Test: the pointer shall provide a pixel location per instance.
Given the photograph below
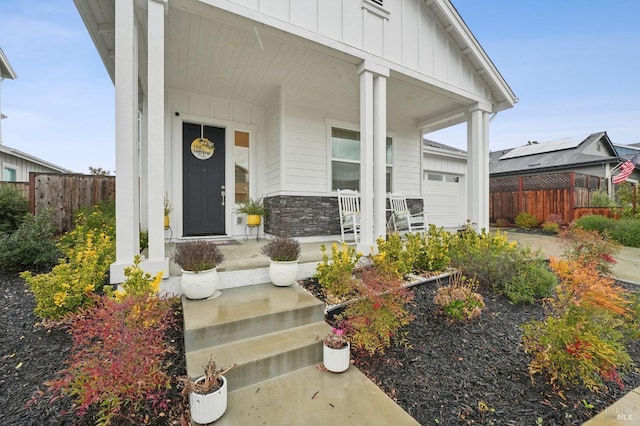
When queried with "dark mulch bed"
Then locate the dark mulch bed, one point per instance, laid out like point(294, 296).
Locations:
point(31, 354)
point(476, 373)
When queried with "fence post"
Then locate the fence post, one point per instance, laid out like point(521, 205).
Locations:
point(32, 193)
point(572, 195)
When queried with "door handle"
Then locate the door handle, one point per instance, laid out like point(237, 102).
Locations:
point(223, 194)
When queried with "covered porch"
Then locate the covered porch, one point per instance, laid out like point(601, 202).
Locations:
point(280, 79)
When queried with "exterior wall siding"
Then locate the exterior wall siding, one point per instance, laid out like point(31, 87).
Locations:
point(410, 35)
point(273, 131)
point(23, 167)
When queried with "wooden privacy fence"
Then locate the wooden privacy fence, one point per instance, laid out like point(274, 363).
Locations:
point(64, 194)
point(540, 195)
point(22, 186)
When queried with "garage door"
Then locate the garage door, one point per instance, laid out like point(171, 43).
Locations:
point(443, 199)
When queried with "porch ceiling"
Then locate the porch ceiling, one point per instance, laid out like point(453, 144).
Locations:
point(215, 53)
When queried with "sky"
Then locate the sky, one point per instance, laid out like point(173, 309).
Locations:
point(573, 64)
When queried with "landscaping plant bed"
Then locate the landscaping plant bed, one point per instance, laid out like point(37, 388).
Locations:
point(453, 374)
point(477, 372)
point(31, 354)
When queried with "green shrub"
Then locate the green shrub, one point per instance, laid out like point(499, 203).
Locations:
point(100, 218)
point(551, 227)
point(335, 275)
point(594, 222)
point(71, 283)
point(32, 246)
point(502, 266)
point(626, 232)
point(14, 207)
point(533, 281)
point(458, 300)
point(429, 252)
point(526, 220)
point(89, 251)
point(601, 199)
point(392, 256)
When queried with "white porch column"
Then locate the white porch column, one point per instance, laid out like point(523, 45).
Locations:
point(373, 133)
point(380, 156)
point(478, 168)
point(126, 102)
point(366, 162)
point(155, 138)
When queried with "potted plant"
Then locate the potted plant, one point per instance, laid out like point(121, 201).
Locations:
point(284, 253)
point(336, 351)
point(199, 260)
point(168, 208)
point(207, 394)
point(254, 209)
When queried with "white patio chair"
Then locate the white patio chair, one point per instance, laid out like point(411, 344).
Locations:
point(402, 219)
point(349, 209)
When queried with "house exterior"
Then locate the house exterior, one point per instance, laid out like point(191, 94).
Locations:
point(16, 165)
point(444, 184)
point(305, 96)
point(553, 177)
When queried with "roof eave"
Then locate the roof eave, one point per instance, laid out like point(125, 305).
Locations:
point(6, 70)
point(507, 98)
point(33, 159)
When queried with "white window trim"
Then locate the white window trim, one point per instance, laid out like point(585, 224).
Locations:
point(331, 123)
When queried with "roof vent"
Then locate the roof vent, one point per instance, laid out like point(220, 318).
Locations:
point(378, 2)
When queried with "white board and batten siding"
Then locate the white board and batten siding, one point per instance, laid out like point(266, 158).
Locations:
point(406, 33)
point(308, 147)
point(22, 167)
point(444, 189)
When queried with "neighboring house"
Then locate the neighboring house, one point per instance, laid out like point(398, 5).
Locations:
point(579, 165)
point(444, 184)
point(309, 96)
point(16, 165)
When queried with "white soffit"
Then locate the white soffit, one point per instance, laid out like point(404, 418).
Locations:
point(540, 148)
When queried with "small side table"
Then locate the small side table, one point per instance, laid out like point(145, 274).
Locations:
point(247, 231)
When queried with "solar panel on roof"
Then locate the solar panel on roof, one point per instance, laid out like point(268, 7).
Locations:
point(539, 148)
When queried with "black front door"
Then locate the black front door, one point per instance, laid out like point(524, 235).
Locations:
point(203, 180)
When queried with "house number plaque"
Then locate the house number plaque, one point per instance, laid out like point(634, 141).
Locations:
point(202, 148)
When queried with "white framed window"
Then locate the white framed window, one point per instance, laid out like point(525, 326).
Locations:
point(9, 173)
point(345, 159)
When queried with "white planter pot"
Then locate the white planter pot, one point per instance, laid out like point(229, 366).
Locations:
point(336, 360)
point(199, 285)
point(283, 274)
point(210, 407)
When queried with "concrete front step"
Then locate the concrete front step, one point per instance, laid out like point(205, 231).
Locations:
point(245, 312)
point(311, 397)
point(263, 357)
